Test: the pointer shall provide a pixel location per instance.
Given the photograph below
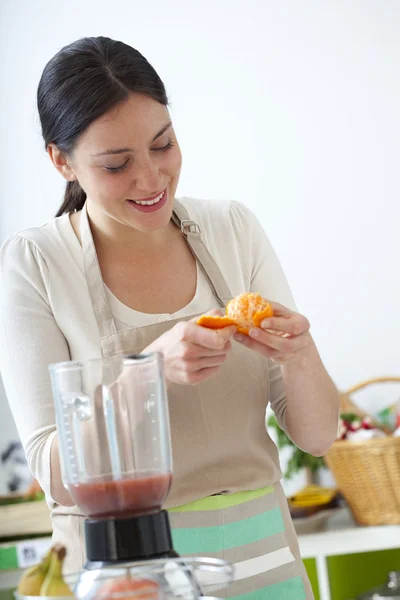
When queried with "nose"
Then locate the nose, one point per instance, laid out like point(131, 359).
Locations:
point(147, 176)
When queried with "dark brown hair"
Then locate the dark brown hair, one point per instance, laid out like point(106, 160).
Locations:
point(79, 84)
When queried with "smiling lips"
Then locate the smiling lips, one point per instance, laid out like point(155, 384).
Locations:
point(150, 205)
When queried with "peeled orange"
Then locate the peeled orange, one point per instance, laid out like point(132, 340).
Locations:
point(244, 311)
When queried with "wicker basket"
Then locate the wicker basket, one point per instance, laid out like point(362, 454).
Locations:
point(368, 473)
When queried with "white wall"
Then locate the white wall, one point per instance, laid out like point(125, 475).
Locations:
point(291, 107)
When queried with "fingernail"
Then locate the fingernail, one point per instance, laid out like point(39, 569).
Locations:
point(255, 333)
point(266, 323)
point(238, 337)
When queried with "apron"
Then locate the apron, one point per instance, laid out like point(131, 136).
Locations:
point(217, 506)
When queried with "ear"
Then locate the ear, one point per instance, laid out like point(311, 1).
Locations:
point(60, 161)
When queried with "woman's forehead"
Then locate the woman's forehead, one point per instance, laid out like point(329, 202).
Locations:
point(133, 122)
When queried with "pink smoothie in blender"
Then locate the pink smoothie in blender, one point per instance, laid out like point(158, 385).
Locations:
point(123, 497)
point(115, 450)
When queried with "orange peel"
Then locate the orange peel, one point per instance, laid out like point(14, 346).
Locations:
point(214, 322)
point(244, 311)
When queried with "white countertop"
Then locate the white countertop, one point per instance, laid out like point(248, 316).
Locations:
point(342, 535)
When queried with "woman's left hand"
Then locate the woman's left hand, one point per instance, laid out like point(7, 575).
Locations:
point(285, 337)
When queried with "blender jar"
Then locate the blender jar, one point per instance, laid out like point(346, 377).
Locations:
point(114, 434)
point(188, 578)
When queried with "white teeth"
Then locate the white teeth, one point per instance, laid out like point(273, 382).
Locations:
point(149, 202)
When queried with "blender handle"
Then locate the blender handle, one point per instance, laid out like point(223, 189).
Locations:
point(74, 409)
point(111, 432)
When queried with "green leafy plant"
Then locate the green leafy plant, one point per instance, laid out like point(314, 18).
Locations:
point(299, 459)
point(37, 497)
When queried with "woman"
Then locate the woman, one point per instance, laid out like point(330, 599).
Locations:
point(125, 266)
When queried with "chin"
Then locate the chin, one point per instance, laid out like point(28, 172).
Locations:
point(150, 221)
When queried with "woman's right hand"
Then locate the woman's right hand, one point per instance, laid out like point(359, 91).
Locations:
point(192, 353)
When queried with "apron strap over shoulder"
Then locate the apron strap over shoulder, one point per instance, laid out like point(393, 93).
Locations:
point(211, 271)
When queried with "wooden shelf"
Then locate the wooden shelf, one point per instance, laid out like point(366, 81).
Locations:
point(29, 518)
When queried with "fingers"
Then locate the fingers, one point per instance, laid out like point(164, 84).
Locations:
point(294, 324)
point(201, 336)
point(256, 346)
point(206, 362)
point(267, 351)
point(203, 375)
point(215, 312)
point(204, 352)
point(192, 372)
point(284, 345)
point(280, 350)
point(192, 352)
point(280, 310)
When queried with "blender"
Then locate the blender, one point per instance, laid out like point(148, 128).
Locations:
point(116, 462)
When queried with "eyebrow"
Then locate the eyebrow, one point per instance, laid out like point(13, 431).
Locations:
point(123, 150)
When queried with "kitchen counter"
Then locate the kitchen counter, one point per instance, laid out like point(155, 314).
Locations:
point(341, 535)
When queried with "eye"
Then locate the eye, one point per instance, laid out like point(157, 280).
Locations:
point(167, 146)
point(117, 169)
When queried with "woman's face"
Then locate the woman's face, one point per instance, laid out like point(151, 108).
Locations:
point(128, 163)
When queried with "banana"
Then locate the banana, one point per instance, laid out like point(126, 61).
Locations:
point(313, 495)
point(54, 584)
point(33, 578)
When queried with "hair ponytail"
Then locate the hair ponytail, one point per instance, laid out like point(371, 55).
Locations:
point(74, 198)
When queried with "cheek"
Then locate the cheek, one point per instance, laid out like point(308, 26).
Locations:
point(104, 186)
point(173, 162)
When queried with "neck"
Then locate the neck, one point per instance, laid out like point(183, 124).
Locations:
point(108, 232)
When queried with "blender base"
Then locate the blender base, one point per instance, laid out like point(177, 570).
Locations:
point(128, 539)
point(120, 542)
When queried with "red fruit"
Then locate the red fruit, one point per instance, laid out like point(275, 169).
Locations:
point(341, 431)
point(129, 588)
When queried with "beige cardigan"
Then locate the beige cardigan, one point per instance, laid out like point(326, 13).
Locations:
point(40, 324)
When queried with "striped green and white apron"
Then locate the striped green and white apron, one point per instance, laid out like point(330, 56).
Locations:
point(220, 451)
point(251, 530)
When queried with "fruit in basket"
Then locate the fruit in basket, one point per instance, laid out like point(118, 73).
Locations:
point(244, 311)
point(33, 578)
point(54, 584)
point(312, 499)
point(129, 588)
point(351, 423)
